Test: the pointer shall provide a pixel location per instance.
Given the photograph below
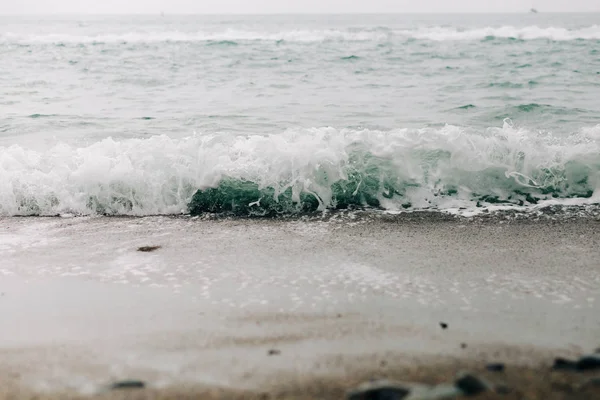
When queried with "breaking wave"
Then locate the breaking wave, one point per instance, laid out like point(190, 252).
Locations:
point(230, 36)
point(505, 32)
point(435, 33)
point(302, 170)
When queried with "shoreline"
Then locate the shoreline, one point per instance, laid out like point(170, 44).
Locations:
point(546, 210)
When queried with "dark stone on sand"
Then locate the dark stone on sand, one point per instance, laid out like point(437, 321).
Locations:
point(129, 384)
point(585, 363)
point(495, 367)
point(148, 248)
point(274, 352)
point(588, 363)
point(563, 364)
point(463, 345)
point(471, 384)
point(379, 390)
point(444, 325)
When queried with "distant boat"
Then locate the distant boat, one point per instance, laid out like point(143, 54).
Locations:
point(533, 10)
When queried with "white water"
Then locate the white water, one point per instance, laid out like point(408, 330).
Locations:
point(524, 33)
point(160, 174)
point(435, 33)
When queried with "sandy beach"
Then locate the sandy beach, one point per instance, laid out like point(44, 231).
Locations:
point(302, 308)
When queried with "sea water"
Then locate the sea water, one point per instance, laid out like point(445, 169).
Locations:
point(267, 115)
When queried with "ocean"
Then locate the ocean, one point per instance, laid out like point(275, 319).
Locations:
point(428, 188)
point(278, 115)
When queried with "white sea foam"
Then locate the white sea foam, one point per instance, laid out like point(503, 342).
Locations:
point(176, 36)
point(160, 174)
point(523, 33)
point(434, 33)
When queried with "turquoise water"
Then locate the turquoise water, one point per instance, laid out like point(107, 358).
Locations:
point(166, 115)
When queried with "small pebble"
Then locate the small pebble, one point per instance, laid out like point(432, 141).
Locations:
point(564, 364)
point(588, 363)
point(148, 248)
point(130, 384)
point(379, 390)
point(471, 384)
point(274, 352)
point(444, 325)
point(463, 345)
point(495, 367)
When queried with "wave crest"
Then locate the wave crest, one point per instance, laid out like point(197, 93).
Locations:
point(296, 170)
point(433, 33)
point(505, 32)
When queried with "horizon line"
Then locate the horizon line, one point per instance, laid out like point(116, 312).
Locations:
point(163, 13)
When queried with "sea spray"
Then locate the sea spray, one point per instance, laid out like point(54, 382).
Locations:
point(302, 170)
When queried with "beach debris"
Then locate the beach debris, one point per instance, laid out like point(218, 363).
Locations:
point(274, 352)
point(495, 367)
point(585, 363)
point(148, 248)
point(471, 384)
point(128, 384)
point(463, 345)
point(444, 325)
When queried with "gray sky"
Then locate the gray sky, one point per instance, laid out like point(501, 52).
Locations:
point(289, 6)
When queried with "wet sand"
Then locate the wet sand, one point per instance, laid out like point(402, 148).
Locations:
point(341, 299)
